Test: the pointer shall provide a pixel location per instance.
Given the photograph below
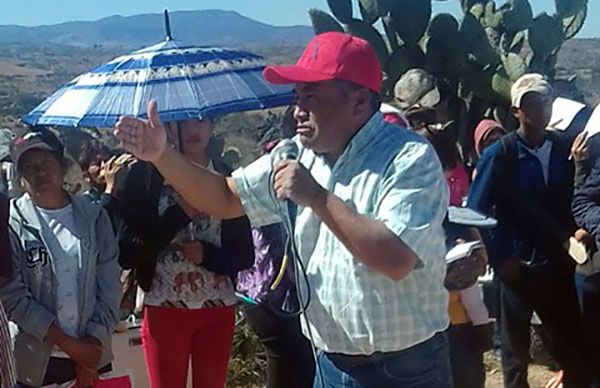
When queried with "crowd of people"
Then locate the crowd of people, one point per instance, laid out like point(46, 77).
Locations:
point(348, 223)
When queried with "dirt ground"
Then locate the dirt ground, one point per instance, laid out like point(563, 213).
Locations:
point(538, 375)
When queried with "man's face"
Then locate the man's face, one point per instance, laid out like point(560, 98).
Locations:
point(535, 111)
point(322, 109)
point(41, 173)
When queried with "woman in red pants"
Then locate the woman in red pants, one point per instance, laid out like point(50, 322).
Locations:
point(189, 300)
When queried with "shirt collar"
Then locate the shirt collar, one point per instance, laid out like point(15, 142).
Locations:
point(525, 149)
point(365, 135)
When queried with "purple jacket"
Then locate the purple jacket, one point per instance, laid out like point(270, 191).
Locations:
point(269, 247)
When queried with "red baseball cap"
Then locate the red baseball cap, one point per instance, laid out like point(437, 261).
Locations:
point(328, 56)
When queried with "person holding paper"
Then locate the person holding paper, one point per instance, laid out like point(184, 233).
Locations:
point(586, 210)
point(470, 329)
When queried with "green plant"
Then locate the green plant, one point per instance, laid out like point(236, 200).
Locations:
point(480, 56)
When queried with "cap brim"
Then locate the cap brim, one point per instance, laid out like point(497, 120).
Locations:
point(39, 146)
point(292, 74)
point(428, 100)
point(431, 98)
point(542, 90)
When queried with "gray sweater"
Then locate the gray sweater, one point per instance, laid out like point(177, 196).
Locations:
point(29, 296)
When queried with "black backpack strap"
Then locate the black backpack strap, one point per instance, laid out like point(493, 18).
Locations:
point(509, 157)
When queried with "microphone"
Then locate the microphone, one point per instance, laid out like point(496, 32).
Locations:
point(287, 149)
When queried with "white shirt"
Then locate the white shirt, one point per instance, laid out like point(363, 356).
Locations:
point(391, 175)
point(63, 243)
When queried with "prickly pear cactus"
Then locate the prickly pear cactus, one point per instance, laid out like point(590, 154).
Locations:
point(480, 55)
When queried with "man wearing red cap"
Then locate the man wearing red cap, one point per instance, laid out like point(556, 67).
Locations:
point(371, 201)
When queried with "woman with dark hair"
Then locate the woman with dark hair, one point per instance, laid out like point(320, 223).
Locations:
point(184, 260)
point(64, 292)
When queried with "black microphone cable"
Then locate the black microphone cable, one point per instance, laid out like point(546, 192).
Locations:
point(288, 213)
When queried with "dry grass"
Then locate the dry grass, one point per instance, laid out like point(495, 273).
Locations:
point(11, 69)
point(538, 374)
point(248, 362)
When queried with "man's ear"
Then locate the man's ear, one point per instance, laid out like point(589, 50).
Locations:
point(362, 101)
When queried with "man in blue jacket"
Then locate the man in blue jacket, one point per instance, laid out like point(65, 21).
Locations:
point(525, 181)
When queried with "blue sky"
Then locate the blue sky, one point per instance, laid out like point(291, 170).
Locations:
point(277, 12)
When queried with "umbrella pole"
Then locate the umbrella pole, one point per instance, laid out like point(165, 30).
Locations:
point(167, 26)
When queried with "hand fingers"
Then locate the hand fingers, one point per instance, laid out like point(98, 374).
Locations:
point(580, 139)
point(282, 165)
point(111, 161)
point(283, 169)
point(152, 111)
point(109, 165)
point(284, 179)
point(128, 142)
point(128, 124)
point(584, 141)
point(128, 130)
point(282, 190)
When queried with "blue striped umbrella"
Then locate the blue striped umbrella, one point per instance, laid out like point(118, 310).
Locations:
point(186, 81)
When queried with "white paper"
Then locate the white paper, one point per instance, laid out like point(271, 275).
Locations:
point(593, 125)
point(563, 113)
point(462, 250)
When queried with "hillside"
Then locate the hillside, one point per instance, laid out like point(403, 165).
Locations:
point(198, 27)
point(580, 57)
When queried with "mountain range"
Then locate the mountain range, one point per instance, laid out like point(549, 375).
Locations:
point(204, 27)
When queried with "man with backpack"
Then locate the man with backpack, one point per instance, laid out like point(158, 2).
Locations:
point(526, 181)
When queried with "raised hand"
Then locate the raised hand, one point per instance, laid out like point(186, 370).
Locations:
point(115, 171)
point(579, 149)
point(146, 139)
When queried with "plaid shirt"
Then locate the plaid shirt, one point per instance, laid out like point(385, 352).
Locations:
point(389, 174)
point(7, 363)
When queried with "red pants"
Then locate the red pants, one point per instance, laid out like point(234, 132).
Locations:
point(172, 336)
